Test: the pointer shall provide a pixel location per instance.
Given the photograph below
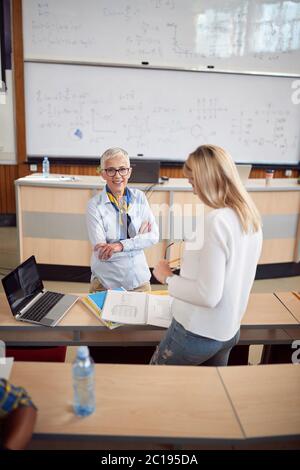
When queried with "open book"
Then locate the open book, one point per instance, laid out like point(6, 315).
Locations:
point(137, 308)
point(94, 302)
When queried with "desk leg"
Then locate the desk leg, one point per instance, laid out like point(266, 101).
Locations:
point(266, 353)
point(277, 354)
point(76, 336)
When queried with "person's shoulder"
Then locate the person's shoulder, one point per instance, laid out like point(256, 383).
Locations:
point(220, 222)
point(222, 216)
point(227, 224)
point(137, 194)
point(96, 200)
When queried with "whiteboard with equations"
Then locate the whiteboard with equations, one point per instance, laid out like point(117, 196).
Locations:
point(232, 35)
point(81, 110)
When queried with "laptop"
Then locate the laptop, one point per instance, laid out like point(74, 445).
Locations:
point(28, 299)
point(244, 172)
point(144, 171)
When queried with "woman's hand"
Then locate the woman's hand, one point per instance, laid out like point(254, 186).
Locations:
point(106, 250)
point(162, 270)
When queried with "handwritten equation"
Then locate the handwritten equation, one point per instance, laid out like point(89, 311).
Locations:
point(255, 35)
point(159, 114)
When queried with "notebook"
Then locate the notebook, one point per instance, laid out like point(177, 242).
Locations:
point(28, 299)
point(137, 308)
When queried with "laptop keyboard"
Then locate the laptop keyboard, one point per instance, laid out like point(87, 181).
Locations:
point(40, 309)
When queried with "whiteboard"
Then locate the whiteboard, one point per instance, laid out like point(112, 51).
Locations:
point(7, 120)
point(234, 35)
point(80, 111)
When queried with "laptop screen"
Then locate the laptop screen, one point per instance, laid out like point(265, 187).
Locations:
point(244, 172)
point(22, 284)
point(144, 171)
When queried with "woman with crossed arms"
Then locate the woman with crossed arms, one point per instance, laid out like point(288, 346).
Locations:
point(212, 290)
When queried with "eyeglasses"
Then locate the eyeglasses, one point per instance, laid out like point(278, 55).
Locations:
point(113, 171)
point(166, 250)
point(178, 247)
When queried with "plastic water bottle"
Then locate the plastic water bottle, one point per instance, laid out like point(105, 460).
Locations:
point(46, 167)
point(83, 383)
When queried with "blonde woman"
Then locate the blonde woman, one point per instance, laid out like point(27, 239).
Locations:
point(212, 290)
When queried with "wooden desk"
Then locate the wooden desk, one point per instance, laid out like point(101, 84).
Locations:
point(160, 404)
point(266, 310)
point(266, 398)
point(79, 326)
point(266, 321)
point(291, 302)
point(56, 233)
point(171, 405)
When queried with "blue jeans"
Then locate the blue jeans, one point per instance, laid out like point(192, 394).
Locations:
point(181, 347)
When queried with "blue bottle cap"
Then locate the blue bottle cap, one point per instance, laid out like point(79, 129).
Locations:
point(83, 352)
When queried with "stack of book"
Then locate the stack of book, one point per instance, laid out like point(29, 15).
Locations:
point(95, 302)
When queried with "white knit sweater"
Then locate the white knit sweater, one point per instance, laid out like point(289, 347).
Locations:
point(211, 293)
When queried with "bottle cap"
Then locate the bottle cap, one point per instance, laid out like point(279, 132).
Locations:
point(83, 352)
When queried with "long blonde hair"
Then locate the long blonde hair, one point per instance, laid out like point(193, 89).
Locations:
point(217, 184)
